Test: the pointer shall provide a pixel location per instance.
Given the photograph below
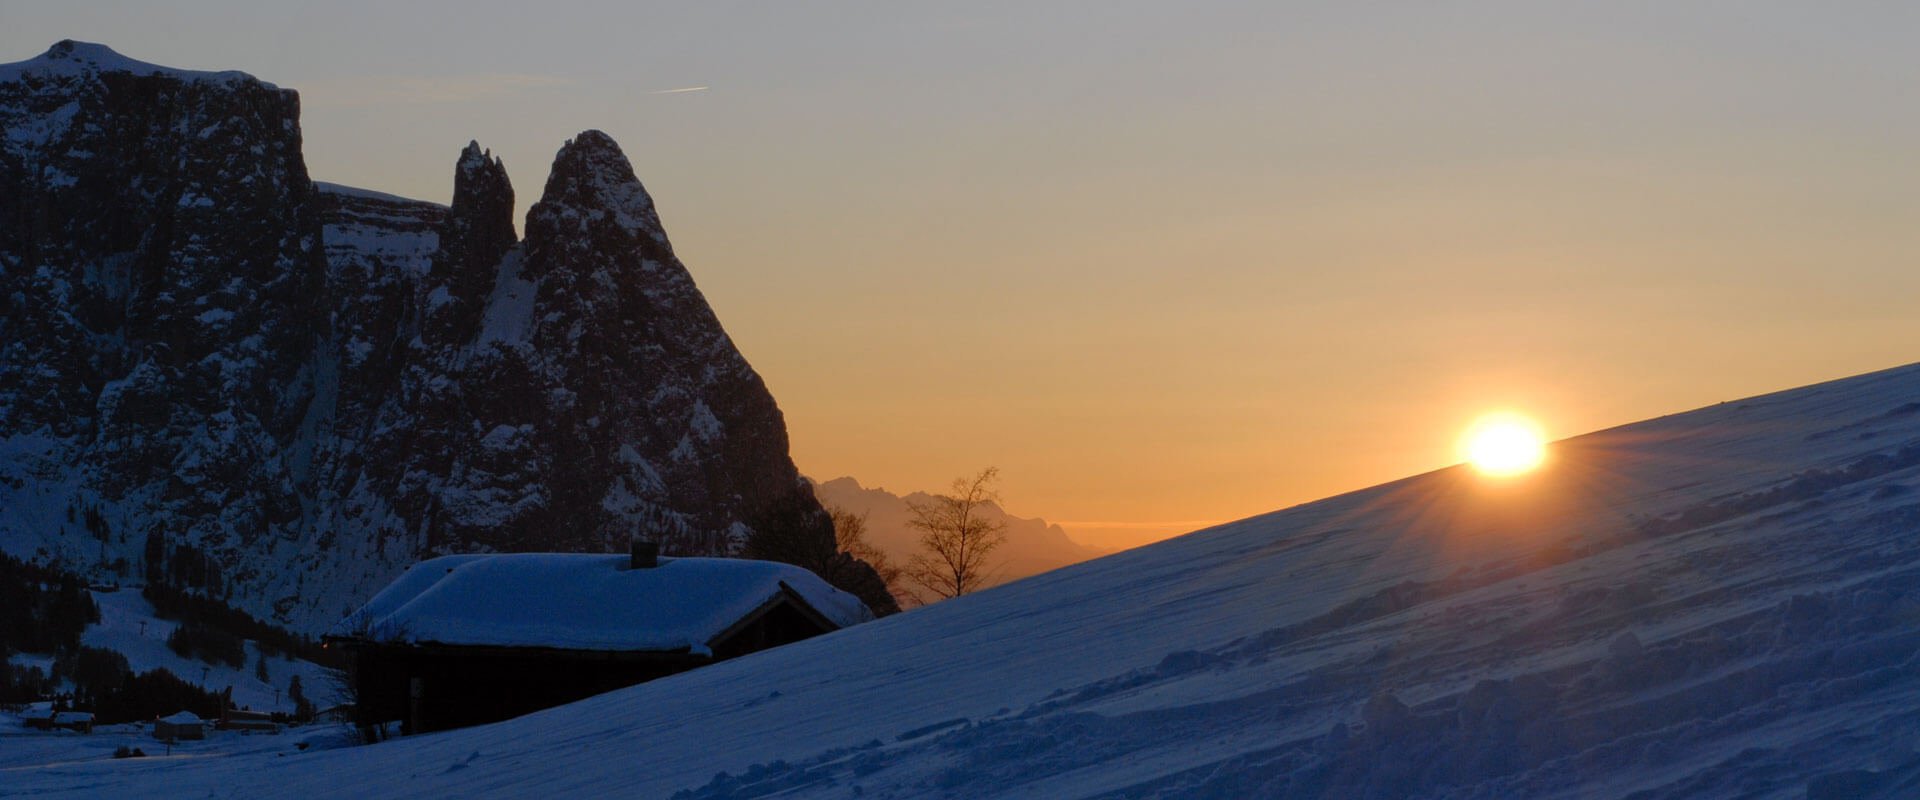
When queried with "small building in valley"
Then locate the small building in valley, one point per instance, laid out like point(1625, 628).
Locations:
point(468, 639)
point(81, 721)
point(236, 719)
point(179, 727)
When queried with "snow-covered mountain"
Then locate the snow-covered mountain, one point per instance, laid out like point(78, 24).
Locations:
point(1721, 603)
point(313, 386)
point(1033, 545)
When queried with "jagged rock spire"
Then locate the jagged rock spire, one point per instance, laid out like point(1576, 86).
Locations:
point(478, 232)
point(483, 203)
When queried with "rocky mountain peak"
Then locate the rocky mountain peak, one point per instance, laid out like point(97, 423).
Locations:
point(88, 53)
point(477, 233)
point(479, 166)
point(171, 216)
point(483, 203)
point(592, 193)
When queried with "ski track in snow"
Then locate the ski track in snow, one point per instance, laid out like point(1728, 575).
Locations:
point(1723, 603)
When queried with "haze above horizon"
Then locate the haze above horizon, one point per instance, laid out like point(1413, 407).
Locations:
point(1171, 264)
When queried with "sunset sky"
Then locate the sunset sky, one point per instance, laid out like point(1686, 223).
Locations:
point(1169, 264)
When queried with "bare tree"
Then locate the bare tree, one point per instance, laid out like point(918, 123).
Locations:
point(850, 537)
point(956, 537)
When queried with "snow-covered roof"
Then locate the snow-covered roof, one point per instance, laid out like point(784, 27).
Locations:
point(181, 718)
point(585, 601)
point(68, 58)
point(72, 716)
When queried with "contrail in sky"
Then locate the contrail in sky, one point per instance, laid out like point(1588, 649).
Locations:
point(682, 90)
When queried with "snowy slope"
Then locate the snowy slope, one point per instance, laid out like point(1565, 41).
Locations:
point(1714, 604)
point(128, 626)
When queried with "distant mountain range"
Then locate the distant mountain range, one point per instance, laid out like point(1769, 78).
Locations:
point(1033, 545)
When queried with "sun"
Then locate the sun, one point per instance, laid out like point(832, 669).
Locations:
point(1504, 444)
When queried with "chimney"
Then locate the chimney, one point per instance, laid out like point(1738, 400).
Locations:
point(645, 554)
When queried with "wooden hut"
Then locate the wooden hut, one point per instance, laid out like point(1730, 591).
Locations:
point(463, 640)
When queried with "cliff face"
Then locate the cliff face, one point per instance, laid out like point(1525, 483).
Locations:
point(159, 262)
point(302, 389)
